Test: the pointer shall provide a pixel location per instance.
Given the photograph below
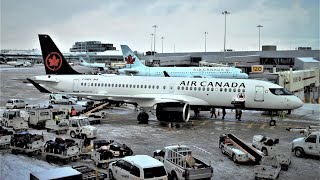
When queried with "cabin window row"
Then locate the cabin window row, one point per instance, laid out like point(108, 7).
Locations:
point(210, 89)
point(122, 85)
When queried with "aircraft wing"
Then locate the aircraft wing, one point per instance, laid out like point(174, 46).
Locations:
point(144, 100)
point(129, 72)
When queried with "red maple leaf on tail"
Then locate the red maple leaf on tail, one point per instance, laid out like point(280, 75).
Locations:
point(130, 59)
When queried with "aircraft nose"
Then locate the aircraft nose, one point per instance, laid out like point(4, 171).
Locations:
point(297, 103)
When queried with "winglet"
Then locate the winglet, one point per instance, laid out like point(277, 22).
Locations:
point(166, 74)
point(53, 59)
point(40, 88)
point(130, 58)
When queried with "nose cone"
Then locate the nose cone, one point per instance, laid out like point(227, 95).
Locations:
point(296, 103)
point(244, 76)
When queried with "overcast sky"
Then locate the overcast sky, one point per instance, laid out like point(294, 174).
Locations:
point(286, 23)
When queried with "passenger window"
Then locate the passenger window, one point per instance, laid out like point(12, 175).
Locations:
point(153, 87)
point(243, 90)
point(312, 139)
point(91, 84)
point(238, 90)
point(195, 88)
point(98, 84)
point(116, 85)
point(234, 90)
point(112, 85)
point(164, 87)
point(230, 89)
point(182, 88)
point(95, 84)
point(178, 87)
point(134, 86)
point(157, 87)
point(130, 86)
point(220, 89)
point(126, 85)
point(225, 89)
point(145, 86)
point(199, 88)
point(149, 86)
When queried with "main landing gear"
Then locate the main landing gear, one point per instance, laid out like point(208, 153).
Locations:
point(143, 117)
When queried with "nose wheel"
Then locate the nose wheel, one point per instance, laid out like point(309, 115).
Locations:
point(143, 117)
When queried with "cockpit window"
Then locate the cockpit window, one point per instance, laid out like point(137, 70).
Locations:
point(280, 91)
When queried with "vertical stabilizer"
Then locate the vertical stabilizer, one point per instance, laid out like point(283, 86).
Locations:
point(53, 59)
point(130, 58)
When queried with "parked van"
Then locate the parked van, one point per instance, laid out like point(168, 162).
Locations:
point(15, 103)
point(137, 167)
point(62, 98)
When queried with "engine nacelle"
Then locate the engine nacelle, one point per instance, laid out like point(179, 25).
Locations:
point(173, 112)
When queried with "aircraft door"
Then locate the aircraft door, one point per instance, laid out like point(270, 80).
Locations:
point(76, 85)
point(258, 95)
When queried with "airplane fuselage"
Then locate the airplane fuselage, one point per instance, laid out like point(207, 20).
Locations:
point(255, 94)
point(215, 72)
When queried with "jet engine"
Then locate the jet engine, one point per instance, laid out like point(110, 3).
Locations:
point(173, 112)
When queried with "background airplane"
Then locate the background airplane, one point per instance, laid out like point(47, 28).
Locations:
point(100, 66)
point(172, 98)
point(20, 63)
point(136, 68)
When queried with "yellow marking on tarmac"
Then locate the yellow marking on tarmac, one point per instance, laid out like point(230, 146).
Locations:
point(250, 125)
point(262, 126)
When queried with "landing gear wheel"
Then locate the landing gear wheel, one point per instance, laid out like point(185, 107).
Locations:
point(272, 122)
point(174, 176)
point(234, 158)
point(143, 117)
point(72, 134)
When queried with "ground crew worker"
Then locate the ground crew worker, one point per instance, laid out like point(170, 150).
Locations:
point(213, 112)
point(223, 112)
point(73, 112)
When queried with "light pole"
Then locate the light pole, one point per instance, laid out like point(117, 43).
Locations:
point(151, 42)
point(259, 26)
point(162, 42)
point(205, 41)
point(225, 32)
point(154, 37)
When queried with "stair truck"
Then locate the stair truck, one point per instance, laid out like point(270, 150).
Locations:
point(237, 149)
point(179, 162)
point(27, 143)
point(5, 138)
point(271, 147)
point(62, 150)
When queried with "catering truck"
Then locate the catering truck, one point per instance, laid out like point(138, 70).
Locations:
point(179, 162)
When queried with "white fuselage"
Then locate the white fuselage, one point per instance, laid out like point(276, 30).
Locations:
point(194, 91)
point(210, 72)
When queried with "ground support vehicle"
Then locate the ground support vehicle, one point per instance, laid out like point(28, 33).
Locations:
point(270, 147)
point(89, 173)
point(25, 142)
point(237, 149)
point(64, 150)
point(309, 145)
point(61, 173)
point(9, 117)
point(62, 98)
point(5, 138)
point(104, 152)
point(59, 127)
point(137, 167)
point(38, 117)
point(180, 163)
point(269, 168)
point(80, 127)
point(15, 103)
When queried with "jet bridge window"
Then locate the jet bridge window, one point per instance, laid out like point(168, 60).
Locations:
point(280, 91)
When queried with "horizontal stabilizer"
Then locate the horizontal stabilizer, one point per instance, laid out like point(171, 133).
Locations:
point(40, 88)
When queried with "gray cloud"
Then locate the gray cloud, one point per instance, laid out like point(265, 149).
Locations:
point(183, 23)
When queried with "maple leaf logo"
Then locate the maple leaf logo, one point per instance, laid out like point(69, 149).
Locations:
point(130, 59)
point(53, 61)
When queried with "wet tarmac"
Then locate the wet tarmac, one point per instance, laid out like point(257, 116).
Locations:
point(120, 125)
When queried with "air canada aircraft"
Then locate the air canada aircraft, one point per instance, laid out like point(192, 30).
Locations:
point(136, 68)
point(20, 63)
point(100, 66)
point(172, 97)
